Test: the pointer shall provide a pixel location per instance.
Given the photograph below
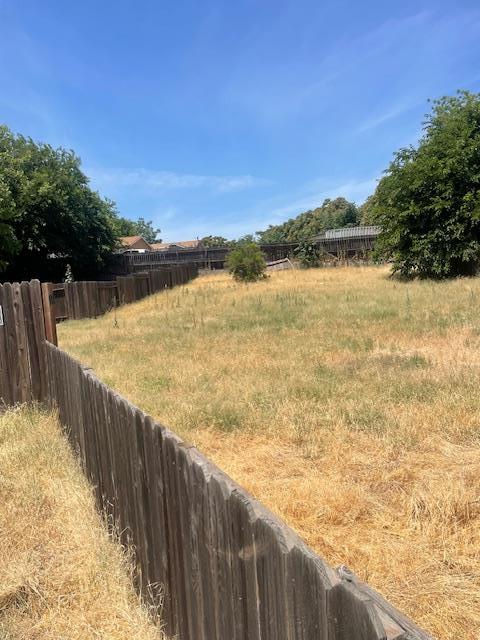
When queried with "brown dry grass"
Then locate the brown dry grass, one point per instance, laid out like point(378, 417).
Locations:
point(61, 576)
point(345, 401)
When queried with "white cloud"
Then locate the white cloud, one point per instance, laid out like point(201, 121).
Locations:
point(149, 181)
point(386, 116)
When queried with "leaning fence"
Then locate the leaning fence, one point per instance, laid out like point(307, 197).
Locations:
point(226, 566)
point(89, 299)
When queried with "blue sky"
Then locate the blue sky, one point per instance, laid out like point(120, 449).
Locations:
point(223, 117)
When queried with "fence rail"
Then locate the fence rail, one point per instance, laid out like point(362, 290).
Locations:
point(228, 568)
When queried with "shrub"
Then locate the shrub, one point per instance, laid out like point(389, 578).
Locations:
point(307, 254)
point(246, 262)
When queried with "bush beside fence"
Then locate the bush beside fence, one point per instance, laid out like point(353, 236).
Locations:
point(226, 566)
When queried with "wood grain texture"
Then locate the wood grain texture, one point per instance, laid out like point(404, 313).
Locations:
point(78, 300)
point(6, 388)
point(225, 566)
point(49, 313)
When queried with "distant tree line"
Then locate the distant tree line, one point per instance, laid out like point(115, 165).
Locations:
point(220, 241)
point(332, 214)
point(215, 241)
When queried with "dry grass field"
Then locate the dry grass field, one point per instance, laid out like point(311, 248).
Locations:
point(61, 576)
point(347, 402)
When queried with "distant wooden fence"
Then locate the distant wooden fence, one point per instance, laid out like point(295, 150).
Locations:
point(77, 300)
point(356, 242)
point(228, 568)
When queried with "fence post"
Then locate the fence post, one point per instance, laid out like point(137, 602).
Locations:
point(49, 314)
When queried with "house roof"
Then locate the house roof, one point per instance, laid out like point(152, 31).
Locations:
point(127, 241)
point(158, 246)
point(187, 243)
point(184, 244)
point(134, 243)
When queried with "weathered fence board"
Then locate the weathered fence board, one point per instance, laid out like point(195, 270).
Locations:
point(6, 391)
point(23, 371)
point(77, 300)
point(49, 314)
point(225, 565)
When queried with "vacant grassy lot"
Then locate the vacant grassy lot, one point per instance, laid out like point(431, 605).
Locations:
point(61, 577)
point(345, 401)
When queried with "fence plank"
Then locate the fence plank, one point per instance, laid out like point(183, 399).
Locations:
point(12, 343)
point(352, 614)
point(159, 557)
point(38, 343)
point(49, 314)
point(6, 390)
point(23, 354)
point(33, 379)
point(177, 579)
point(229, 568)
point(142, 516)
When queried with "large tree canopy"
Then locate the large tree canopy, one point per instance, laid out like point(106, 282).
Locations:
point(428, 203)
point(368, 211)
point(215, 241)
point(140, 227)
point(47, 209)
point(332, 214)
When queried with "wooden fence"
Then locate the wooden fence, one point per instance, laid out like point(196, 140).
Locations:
point(228, 568)
point(23, 366)
point(77, 300)
point(356, 242)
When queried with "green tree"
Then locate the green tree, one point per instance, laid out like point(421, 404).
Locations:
point(126, 227)
point(332, 214)
point(9, 244)
point(147, 230)
point(215, 241)
point(246, 262)
point(428, 203)
point(368, 211)
point(48, 210)
point(248, 238)
point(275, 234)
point(308, 254)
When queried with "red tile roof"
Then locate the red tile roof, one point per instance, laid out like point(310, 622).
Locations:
point(186, 244)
